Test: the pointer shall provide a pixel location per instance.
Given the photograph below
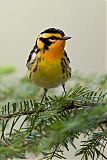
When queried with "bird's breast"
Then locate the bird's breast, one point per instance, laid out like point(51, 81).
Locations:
point(47, 73)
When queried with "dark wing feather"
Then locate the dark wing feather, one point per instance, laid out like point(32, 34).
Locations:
point(32, 56)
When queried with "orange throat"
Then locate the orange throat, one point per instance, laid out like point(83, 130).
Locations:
point(54, 53)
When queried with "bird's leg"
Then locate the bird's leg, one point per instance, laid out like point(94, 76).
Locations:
point(63, 85)
point(44, 95)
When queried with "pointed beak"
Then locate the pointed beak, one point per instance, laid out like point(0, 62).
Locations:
point(65, 38)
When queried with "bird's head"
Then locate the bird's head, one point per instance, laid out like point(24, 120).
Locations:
point(51, 39)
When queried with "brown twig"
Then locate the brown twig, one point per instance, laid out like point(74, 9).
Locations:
point(8, 116)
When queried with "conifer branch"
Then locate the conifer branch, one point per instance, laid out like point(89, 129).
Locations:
point(28, 126)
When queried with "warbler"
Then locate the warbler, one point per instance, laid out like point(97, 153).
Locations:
point(48, 63)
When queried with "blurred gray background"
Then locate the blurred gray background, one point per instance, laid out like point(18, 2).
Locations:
point(85, 20)
point(22, 20)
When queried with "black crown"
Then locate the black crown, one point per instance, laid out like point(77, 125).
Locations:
point(53, 30)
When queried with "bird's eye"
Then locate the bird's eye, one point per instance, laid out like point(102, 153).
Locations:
point(52, 37)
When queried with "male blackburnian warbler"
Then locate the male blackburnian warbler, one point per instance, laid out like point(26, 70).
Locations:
point(48, 64)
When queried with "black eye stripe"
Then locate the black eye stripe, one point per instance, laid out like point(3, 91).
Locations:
point(51, 37)
point(43, 39)
point(46, 41)
point(54, 38)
